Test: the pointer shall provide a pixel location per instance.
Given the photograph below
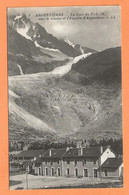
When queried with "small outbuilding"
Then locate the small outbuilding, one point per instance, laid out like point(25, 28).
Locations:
point(112, 168)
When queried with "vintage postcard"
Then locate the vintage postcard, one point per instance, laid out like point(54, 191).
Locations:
point(65, 97)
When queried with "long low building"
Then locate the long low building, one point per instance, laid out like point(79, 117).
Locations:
point(50, 164)
point(75, 162)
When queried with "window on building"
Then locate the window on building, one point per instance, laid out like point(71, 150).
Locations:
point(85, 172)
point(95, 172)
point(67, 171)
point(84, 161)
point(52, 171)
point(51, 162)
point(46, 171)
point(58, 171)
point(76, 172)
point(68, 161)
point(106, 173)
point(39, 171)
point(94, 161)
point(45, 162)
point(58, 162)
point(75, 162)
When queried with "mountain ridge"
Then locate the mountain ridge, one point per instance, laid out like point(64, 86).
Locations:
point(30, 58)
point(36, 32)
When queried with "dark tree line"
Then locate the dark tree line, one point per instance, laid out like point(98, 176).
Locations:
point(115, 144)
point(48, 145)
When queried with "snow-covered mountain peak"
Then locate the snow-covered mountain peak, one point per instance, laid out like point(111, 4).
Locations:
point(69, 42)
point(75, 46)
point(38, 34)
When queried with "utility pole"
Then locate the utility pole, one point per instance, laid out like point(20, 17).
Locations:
point(100, 169)
point(100, 162)
point(26, 179)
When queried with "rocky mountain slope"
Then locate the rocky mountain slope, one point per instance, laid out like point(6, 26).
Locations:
point(24, 57)
point(105, 65)
point(99, 76)
point(60, 90)
point(31, 49)
point(83, 103)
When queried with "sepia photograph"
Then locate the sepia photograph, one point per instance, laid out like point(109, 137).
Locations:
point(64, 97)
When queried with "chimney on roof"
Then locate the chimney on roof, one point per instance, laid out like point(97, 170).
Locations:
point(25, 148)
point(50, 152)
point(67, 148)
point(80, 151)
point(101, 149)
point(85, 145)
point(79, 144)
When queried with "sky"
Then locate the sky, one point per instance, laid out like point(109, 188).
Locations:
point(98, 34)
